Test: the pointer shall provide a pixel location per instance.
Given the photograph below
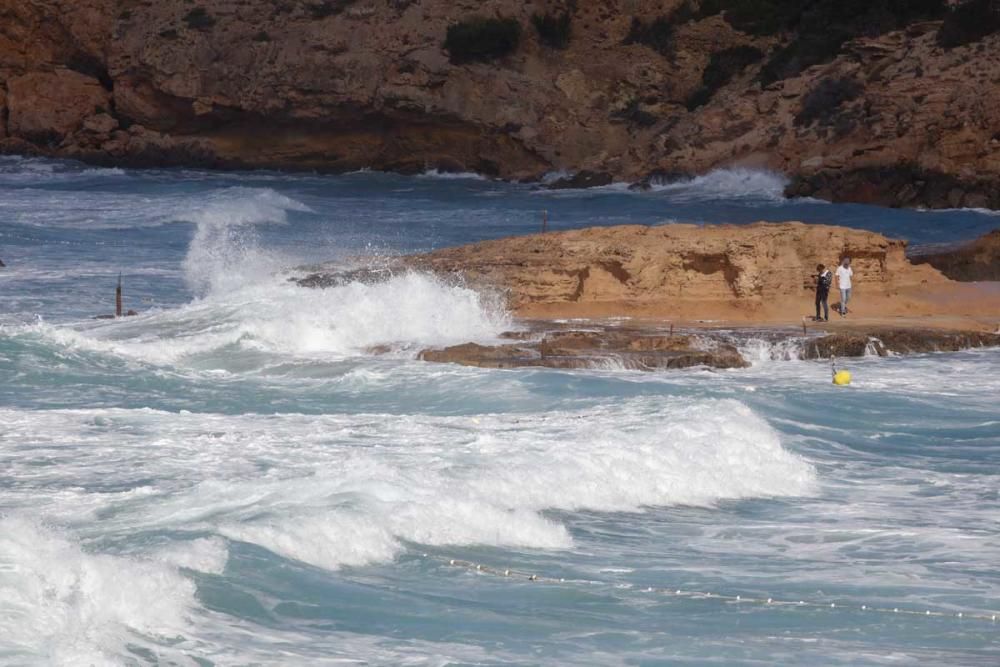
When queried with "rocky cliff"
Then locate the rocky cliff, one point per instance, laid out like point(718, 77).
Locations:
point(975, 261)
point(881, 101)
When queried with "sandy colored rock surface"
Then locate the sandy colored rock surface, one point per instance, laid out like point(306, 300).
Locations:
point(49, 106)
point(760, 273)
point(344, 84)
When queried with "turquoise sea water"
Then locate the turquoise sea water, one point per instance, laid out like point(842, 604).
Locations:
point(233, 478)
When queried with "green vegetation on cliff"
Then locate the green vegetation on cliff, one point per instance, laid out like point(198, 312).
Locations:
point(482, 39)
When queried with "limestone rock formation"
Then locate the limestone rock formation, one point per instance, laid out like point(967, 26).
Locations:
point(731, 272)
point(872, 103)
point(978, 260)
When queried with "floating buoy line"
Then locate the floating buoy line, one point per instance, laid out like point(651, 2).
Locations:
point(521, 575)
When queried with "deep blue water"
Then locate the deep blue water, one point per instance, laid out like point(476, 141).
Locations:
point(232, 478)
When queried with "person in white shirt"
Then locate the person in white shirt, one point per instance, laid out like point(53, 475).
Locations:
point(844, 275)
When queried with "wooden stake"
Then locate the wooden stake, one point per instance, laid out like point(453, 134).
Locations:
point(118, 297)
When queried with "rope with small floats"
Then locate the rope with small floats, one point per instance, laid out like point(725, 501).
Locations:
point(513, 574)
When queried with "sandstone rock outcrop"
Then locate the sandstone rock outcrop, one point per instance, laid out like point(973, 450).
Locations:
point(978, 260)
point(881, 113)
point(729, 272)
point(47, 107)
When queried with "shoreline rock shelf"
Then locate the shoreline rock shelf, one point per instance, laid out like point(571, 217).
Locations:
point(719, 284)
point(611, 347)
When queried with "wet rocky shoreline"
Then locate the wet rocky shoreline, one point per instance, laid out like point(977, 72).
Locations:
point(612, 346)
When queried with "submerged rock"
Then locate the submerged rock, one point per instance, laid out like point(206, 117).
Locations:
point(338, 277)
point(582, 180)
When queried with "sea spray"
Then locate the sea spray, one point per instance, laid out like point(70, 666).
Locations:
point(224, 253)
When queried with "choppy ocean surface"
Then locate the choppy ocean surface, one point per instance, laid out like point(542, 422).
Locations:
point(231, 477)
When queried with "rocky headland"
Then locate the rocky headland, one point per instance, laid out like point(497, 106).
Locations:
point(884, 102)
point(977, 260)
point(674, 296)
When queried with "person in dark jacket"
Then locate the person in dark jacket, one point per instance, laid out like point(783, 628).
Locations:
point(823, 281)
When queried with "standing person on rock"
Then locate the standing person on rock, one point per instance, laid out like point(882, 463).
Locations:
point(823, 281)
point(845, 275)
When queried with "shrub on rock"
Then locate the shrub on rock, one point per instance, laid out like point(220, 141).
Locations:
point(554, 31)
point(822, 102)
point(657, 35)
point(969, 22)
point(199, 19)
point(722, 67)
point(482, 39)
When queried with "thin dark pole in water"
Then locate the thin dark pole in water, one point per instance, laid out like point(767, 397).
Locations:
point(671, 329)
point(118, 297)
point(804, 332)
point(545, 221)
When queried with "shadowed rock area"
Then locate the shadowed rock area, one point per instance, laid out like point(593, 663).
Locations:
point(975, 261)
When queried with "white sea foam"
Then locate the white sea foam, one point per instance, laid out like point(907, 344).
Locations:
point(408, 312)
point(452, 175)
point(733, 183)
point(206, 554)
point(352, 490)
point(61, 605)
point(224, 254)
point(747, 185)
point(762, 350)
point(246, 302)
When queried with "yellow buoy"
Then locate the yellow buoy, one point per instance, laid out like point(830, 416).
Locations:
point(842, 378)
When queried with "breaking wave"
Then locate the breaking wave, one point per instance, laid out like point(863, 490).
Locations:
point(350, 490)
point(61, 605)
point(735, 183)
point(245, 303)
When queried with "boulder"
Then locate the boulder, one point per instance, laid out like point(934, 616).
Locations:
point(46, 107)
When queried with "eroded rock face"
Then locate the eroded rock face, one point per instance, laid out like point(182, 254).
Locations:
point(976, 261)
point(343, 84)
point(679, 271)
point(47, 107)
